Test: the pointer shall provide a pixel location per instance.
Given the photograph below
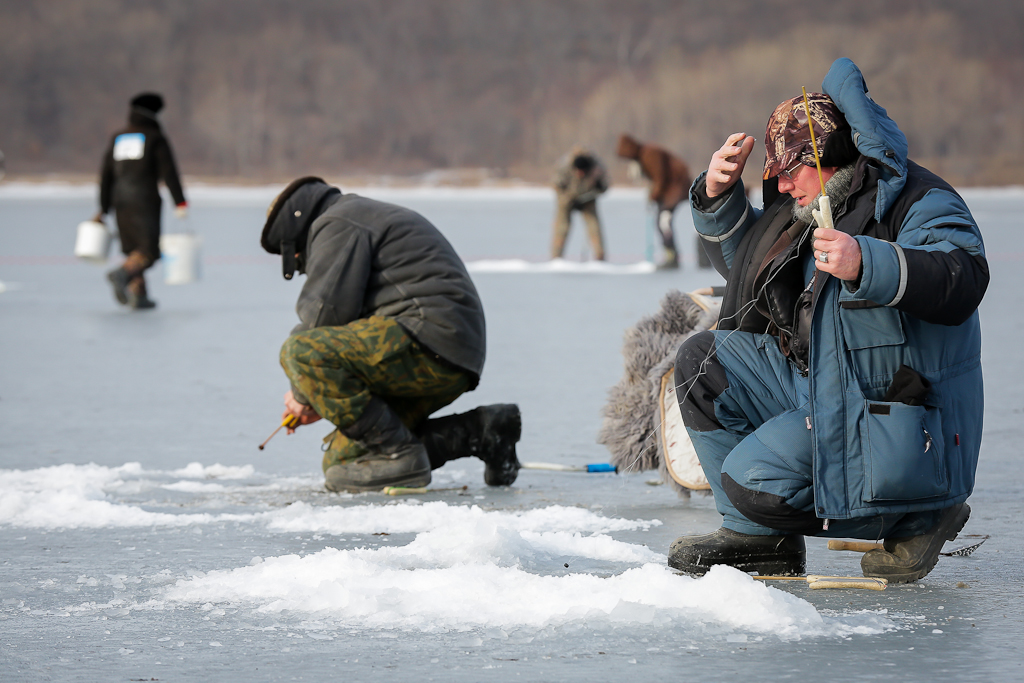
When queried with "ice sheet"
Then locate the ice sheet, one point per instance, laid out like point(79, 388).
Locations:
point(134, 502)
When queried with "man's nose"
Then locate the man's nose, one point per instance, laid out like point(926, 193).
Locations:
point(785, 185)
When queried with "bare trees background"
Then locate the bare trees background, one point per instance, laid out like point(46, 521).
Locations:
point(266, 89)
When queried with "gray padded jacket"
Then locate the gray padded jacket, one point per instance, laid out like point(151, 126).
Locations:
point(364, 258)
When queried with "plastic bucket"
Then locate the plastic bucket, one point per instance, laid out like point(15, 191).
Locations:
point(180, 254)
point(92, 243)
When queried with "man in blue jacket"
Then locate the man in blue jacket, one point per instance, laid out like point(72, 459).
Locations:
point(841, 394)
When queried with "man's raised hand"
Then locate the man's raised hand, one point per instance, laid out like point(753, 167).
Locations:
point(727, 163)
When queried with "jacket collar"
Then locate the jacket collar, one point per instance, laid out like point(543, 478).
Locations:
point(876, 135)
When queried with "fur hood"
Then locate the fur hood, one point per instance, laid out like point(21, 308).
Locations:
point(631, 425)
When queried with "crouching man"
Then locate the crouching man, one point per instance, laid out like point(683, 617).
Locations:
point(391, 330)
point(841, 394)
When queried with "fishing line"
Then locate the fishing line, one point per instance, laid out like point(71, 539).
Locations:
point(702, 369)
point(824, 219)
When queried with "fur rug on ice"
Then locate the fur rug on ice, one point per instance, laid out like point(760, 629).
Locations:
point(631, 428)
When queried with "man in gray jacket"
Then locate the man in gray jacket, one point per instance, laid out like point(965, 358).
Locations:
point(391, 330)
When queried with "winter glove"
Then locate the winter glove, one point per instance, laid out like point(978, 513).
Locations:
point(181, 211)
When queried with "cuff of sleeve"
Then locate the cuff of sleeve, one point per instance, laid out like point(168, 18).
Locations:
point(700, 199)
point(299, 396)
point(883, 271)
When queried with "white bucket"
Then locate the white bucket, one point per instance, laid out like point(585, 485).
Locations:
point(92, 243)
point(180, 254)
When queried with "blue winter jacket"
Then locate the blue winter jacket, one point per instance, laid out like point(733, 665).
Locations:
point(924, 274)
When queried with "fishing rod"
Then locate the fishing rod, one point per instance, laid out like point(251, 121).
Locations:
point(823, 214)
point(817, 582)
point(553, 467)
point(289, 421)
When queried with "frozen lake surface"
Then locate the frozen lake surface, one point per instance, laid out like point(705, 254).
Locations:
point(143, 535)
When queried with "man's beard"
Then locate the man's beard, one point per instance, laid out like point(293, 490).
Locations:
point(837, 188)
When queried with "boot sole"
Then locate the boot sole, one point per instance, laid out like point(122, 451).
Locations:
point(776, 566)
point(952, 528)
point(410, 480)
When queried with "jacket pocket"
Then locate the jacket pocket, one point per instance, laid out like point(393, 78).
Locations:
point(865, 328)
point(905, 452)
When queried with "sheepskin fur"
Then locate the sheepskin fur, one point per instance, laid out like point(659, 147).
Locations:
point(631, 428)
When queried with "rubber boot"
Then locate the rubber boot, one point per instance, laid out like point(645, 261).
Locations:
point(766, 555)
point(904, 560)
point(394, 456)
point(119, 279)
point(488, 432)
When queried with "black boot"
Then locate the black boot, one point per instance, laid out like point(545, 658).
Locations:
point(904, 560)
point(137, 296)
point(395, 457)
point(766, 555)
point(488, 432)
point(119, 279)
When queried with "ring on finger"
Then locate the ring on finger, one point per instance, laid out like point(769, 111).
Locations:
point(823, 257)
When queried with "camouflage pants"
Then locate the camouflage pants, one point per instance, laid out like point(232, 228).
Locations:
point(337, 370)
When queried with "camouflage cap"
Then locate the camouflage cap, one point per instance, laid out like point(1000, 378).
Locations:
point(787, 137)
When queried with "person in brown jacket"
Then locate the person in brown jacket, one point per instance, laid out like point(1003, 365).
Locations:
point(670, 185)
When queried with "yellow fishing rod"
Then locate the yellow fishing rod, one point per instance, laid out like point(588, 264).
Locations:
point(289, 421)
point(823, 214)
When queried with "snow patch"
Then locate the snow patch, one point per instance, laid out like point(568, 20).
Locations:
point(465, 568)
point(432, 587)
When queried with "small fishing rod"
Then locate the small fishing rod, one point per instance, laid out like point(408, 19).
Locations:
point(290, 421)
point(823, 214)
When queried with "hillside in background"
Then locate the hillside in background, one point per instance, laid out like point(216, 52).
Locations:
point(267, 89)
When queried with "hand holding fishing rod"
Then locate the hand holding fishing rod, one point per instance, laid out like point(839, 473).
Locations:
point(289, 421)
point(835, 252)
point(295, 415)
point(302, 413)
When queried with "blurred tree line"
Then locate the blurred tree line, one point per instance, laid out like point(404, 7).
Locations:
point(267, 89)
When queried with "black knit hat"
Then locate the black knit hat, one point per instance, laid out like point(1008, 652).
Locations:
point(150, 101)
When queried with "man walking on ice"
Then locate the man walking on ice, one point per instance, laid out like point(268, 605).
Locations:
point(137, 159)
point(391, 329)
point(841, 394)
